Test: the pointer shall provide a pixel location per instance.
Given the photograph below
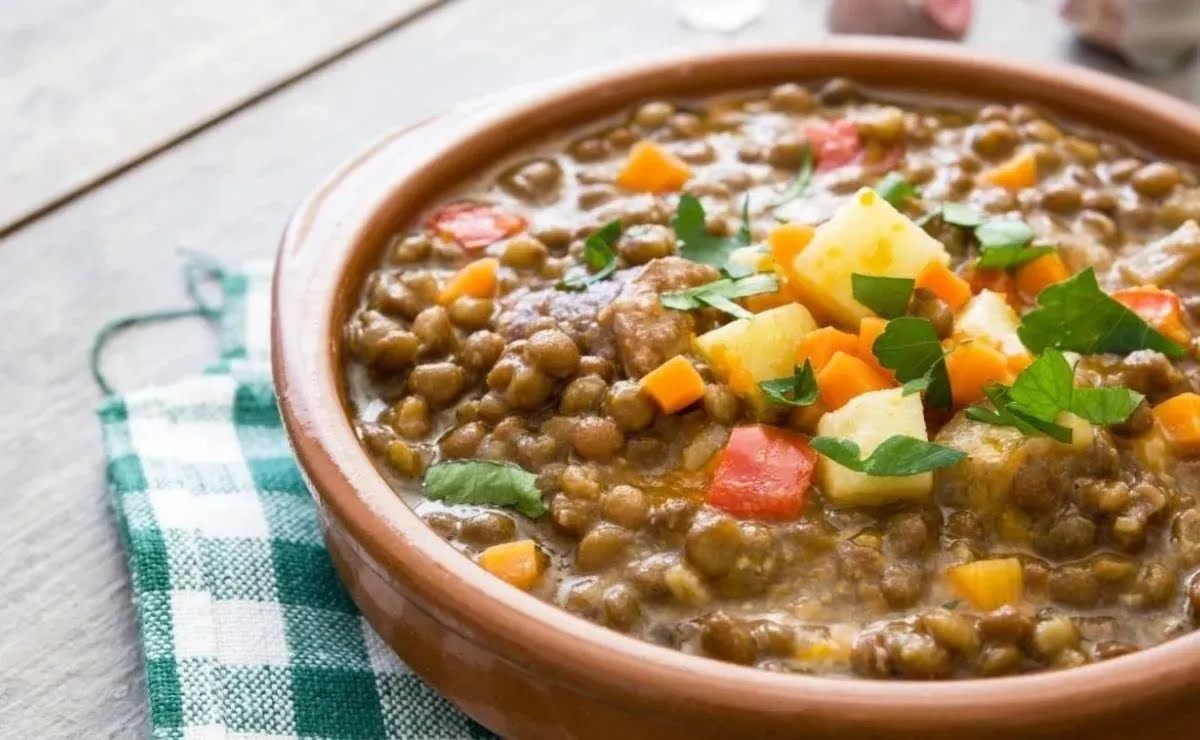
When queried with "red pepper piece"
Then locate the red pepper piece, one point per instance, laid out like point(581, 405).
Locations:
point(834, 143)
point(475, 225)
point(762, 473)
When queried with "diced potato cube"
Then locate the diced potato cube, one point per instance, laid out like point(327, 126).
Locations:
point(868, 420)
point(989, 318)
point(747, 351)
point(868, 236)
point(981, 482)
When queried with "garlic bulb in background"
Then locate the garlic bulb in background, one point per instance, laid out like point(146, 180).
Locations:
point(1150, 34)
point(945, 19)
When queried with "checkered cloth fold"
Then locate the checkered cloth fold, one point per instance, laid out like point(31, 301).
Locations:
point(246, 630)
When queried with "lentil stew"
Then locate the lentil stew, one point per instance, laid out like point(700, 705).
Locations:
point(778, 378)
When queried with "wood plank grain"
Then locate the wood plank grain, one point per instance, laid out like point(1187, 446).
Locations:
point(89, 86)
point(68, 655)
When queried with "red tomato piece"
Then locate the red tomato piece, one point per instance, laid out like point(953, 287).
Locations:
point(1159, 308)
point(762, 473)
point(475, 225)
point(834, 143)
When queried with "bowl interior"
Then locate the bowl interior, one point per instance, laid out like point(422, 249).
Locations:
point(337, 237)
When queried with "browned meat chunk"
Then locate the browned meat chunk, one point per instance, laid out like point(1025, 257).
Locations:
point(526, 311)
point(646, 333)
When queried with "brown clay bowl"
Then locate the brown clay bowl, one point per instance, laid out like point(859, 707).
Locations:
point(527, 669)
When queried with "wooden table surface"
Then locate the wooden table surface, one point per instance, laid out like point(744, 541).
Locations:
point(130, 131)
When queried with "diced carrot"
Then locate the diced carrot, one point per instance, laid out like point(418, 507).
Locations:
point(1036, 275)
point(973, 366)
point(869, 329)
point(1018, 172)
point(674, 384)
point(787, 241)
point(1179, 417)
point(1018, 362)
point(945, 284)
point(997, 281)
point(477, 279)
point(652, 169)
point(1159, 308)
point(988, 584)
point(846, 376)
point(820, 345)
point(760, 302)
point(519, 563)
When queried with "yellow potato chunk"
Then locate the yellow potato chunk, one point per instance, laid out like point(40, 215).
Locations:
point(868, 236)
point(988, 317)
point(744, 352)
point(868, 420)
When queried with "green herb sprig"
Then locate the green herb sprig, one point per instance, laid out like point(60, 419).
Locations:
point(696, 243)
point(484, 482)
point(898, 455)
point(1004, 243)
point(798, 389)
point(599, 255)
point(719, 294)
point(909, 346)
point(1077, 316)
point(886, 296)
point(895, 189)
point(1046, 389)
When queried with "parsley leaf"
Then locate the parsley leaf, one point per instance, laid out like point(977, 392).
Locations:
point(1011, 255)
point(961, 214)
point(886, 296)
point(799, 183)
point(896, 190)
point(598, 255)
point(1004, 243)
point(1003, 232)
point(720, 294)
point(1007, 414)
point(1078, 316)
point(909, 346)
point(896, 455)
point(697, 244)
point(802, 385)
point(484, 482)
point(1047, 388)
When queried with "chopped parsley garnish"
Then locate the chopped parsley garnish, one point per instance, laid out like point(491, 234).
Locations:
point(886, 296)
point(484, 482)
point(598, 255)
point(1003, 242)
point(1076, 315)
point(1012, 255)
point(1046, 389)
point(961, 214)
point(909, 346)
point(719, 294)
point(799, 183)
point(800, 389)
point(896, 190)
point(696, 243)
point(896, 455)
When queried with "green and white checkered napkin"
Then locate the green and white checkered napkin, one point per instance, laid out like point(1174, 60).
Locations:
point(246, 630)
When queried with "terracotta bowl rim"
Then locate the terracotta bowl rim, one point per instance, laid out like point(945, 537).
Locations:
point(546, 639)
